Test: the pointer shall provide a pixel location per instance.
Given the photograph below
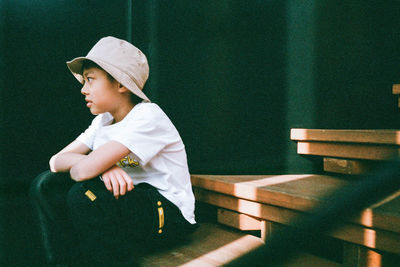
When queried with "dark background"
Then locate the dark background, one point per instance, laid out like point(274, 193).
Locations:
point(234, 77)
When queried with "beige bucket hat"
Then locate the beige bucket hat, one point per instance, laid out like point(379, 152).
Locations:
point(123, 61)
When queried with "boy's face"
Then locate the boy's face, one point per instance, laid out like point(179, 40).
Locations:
point(101, 93)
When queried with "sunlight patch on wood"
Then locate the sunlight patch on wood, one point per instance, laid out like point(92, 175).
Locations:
point(227, 253)
point(250, 188)
point(370, 238)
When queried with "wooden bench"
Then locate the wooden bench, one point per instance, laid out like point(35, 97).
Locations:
point(269, 202)
point(210, 245)
point(348, 151)
point(265, 202)
point(216, 245)
point(355, 152)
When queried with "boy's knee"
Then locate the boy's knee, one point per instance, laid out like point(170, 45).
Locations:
point(40, 183)
point(47, 184)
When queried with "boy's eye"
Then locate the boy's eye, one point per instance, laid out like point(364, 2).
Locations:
point(89, 79)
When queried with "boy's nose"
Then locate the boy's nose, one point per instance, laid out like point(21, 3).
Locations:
point(84, 90)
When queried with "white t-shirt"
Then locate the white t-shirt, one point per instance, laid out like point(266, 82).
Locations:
point(158, 154)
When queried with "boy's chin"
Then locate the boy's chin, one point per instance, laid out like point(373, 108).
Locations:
point(95, 112)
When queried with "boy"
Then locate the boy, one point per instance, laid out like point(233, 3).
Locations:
point(123, 183)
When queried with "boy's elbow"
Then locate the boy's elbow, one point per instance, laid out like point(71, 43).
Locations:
point(52, 163)
point(79, 173)
point(76, 174)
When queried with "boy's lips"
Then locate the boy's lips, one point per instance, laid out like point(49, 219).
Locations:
point(88, 103)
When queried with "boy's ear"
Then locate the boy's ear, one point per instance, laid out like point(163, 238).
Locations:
point(122, 89)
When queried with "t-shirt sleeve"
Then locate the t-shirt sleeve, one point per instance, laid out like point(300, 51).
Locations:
point(145, 135)
point(87, 137)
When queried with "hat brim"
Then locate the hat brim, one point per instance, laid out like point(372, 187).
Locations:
point(76, 68)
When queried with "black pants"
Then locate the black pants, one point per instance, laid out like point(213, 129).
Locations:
point(83, 221)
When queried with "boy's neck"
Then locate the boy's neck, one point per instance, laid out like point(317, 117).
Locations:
point(121, 112)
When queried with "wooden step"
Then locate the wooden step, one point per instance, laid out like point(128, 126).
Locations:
point(298, 191)
point(389, 137)
point(283, 198)
point(348, 150)
point(210, 245)
point(308, 260)
point(215, 245)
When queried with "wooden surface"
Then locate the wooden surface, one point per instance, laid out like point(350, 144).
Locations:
point(348, 151)
point(299, 192)
point(308, 260)
point(359, 256)
point(390, 137)
point(238, 220)
point(348, 166)
point(385, 214)
point(358, 234)
point(283, 198)
point(210, 245)
point(214, 245)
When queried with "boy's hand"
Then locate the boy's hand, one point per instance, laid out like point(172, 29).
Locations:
point(117, 181)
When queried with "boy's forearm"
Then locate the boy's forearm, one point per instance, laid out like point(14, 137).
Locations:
point(63, 162)
point(84, 164)
point(98, 161)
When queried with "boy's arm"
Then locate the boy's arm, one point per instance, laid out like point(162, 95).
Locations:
point(75, 159)
point(68, 156)
point(98, 161)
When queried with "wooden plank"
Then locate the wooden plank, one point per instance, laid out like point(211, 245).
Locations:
point(396, 89)
point(299, 192)
point(304, 259)
point(385, 214)
point(213, 245)
point(265, 229)
point(251, 208)
point(372, 238)
point(355, 255)
point(238, 220)
point(210, 245)
point(268, 228)
point(348, 166)
point(350, 151)
point(302, 194)
point(391, 137)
